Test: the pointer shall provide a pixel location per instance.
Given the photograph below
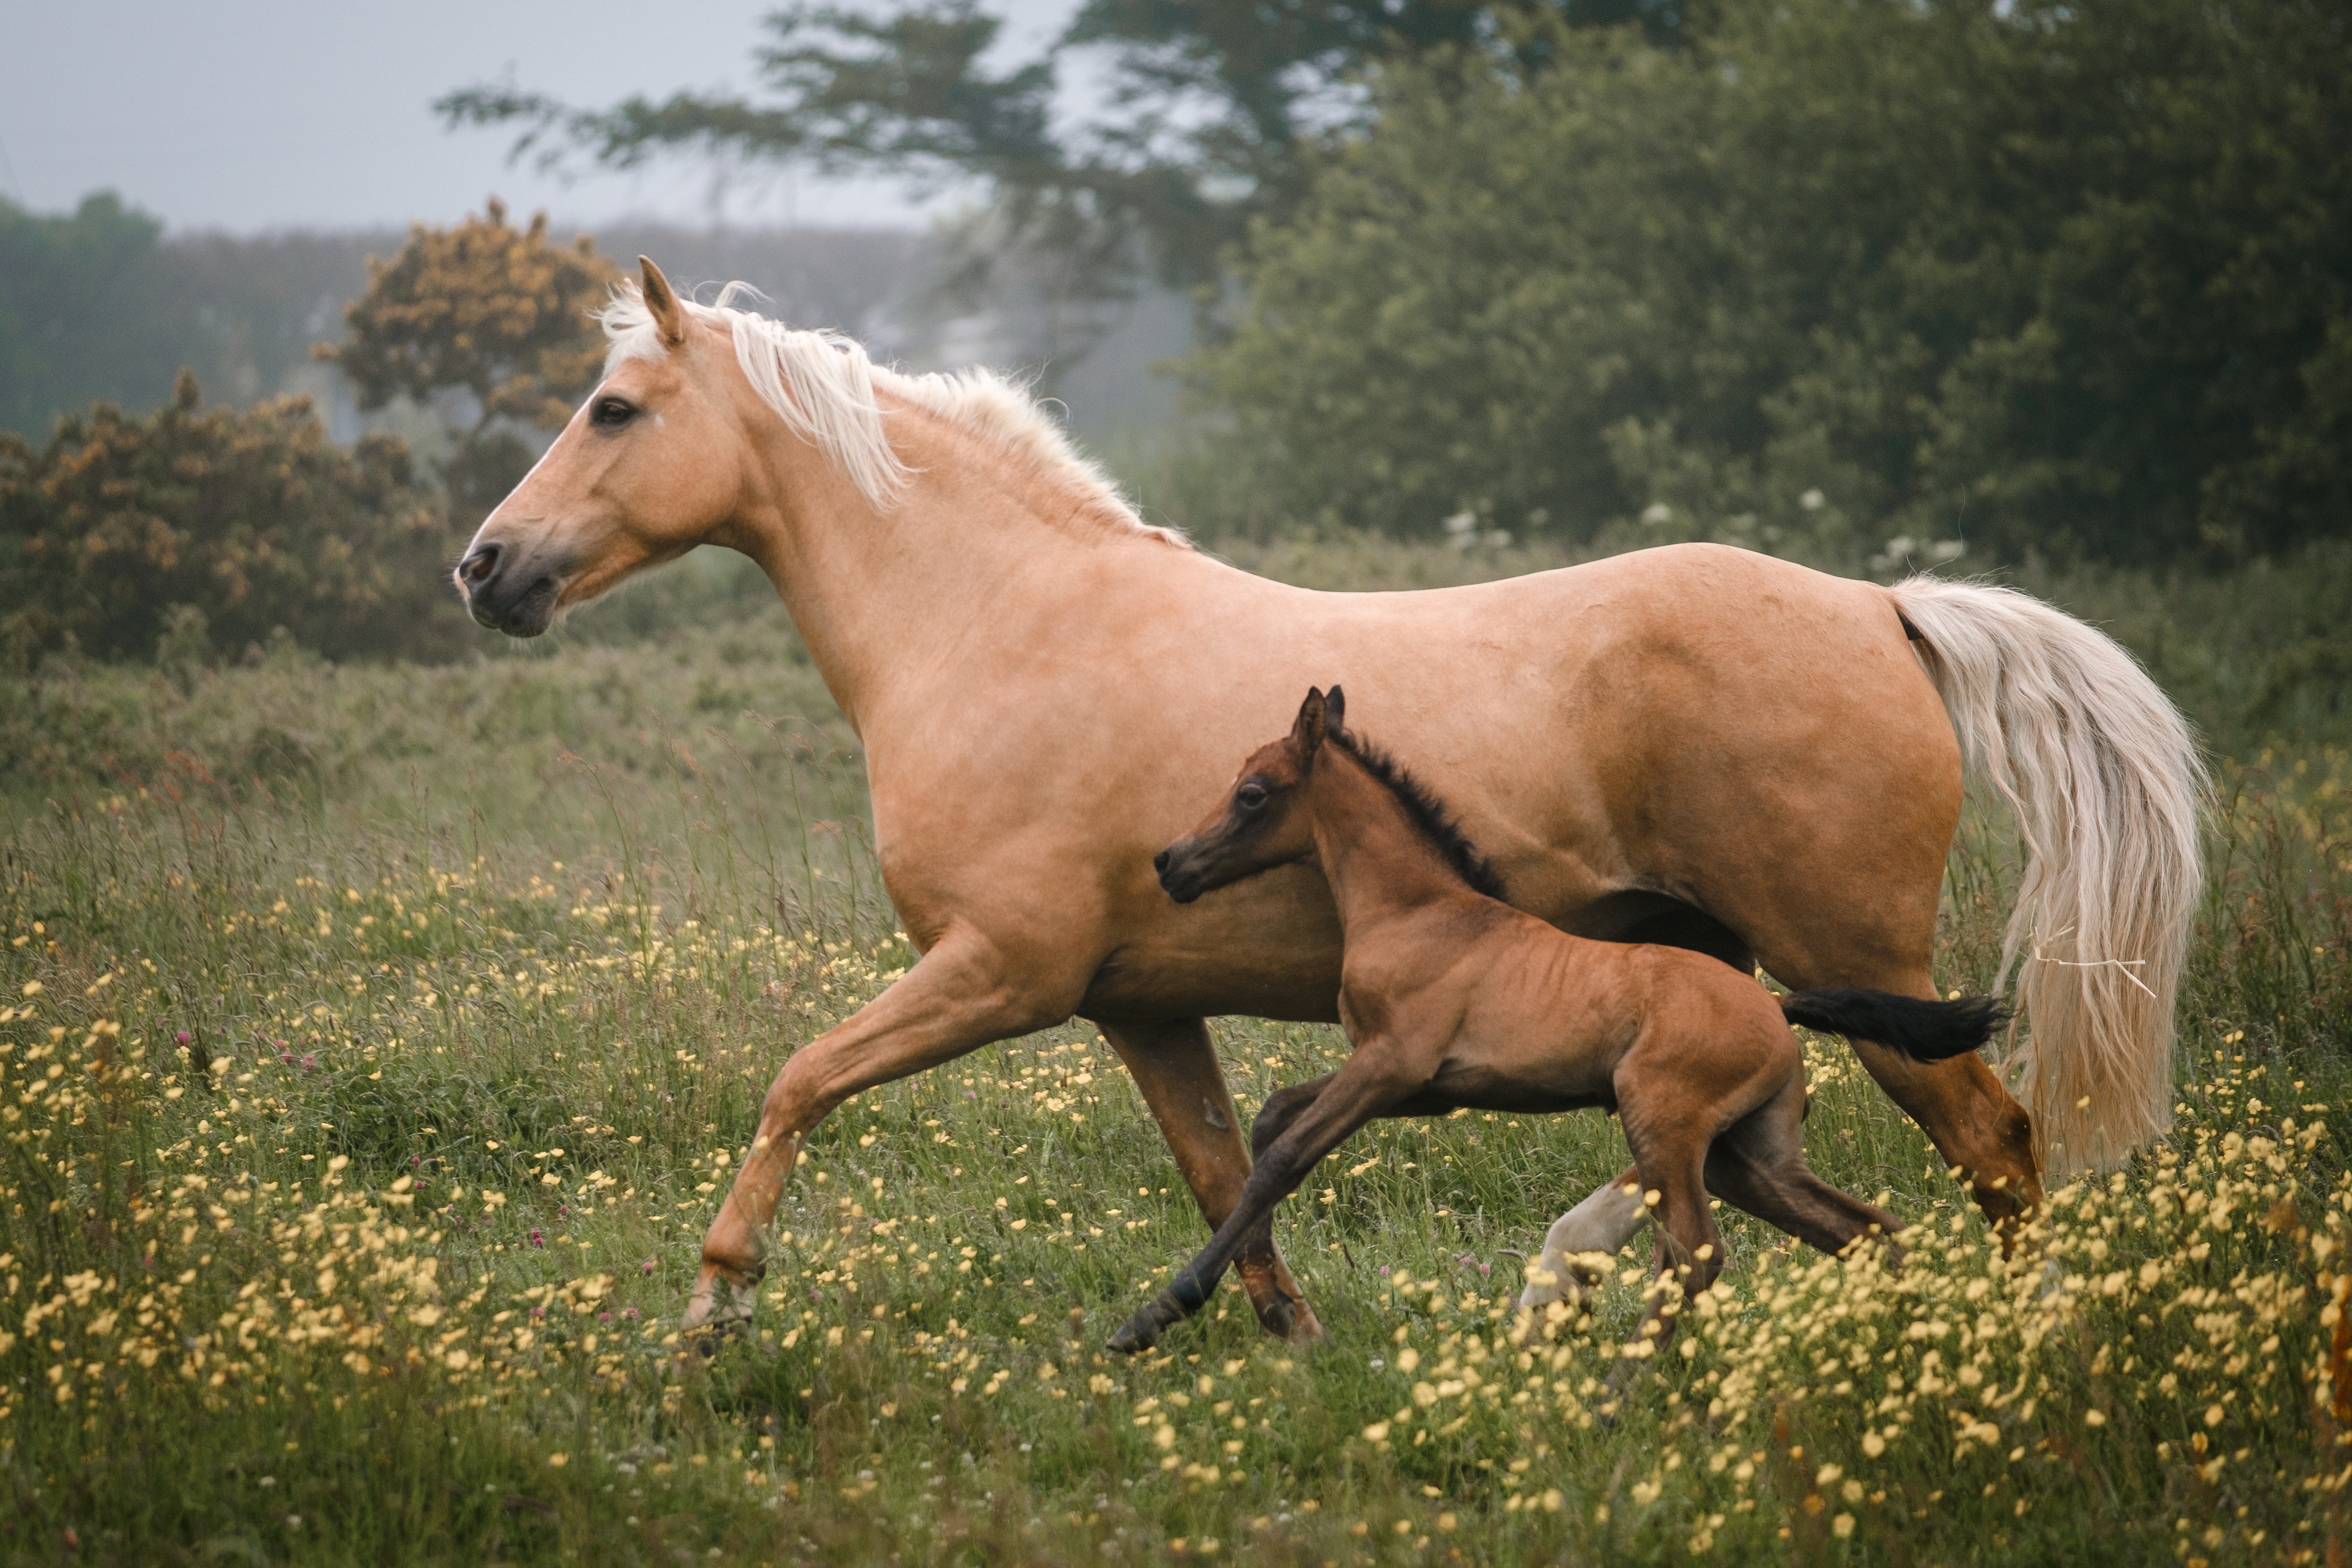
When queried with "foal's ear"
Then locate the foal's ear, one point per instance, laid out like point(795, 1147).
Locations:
point(662, 300)
point(1306, 733)
point(1335, 710)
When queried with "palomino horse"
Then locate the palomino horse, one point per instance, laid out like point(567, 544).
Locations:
point(1706, 748)
point(1453, 998)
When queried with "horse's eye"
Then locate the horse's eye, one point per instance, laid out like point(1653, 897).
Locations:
point(1250, 796)
point(612, 411)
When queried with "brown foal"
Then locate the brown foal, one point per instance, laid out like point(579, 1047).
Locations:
point(1453, 998)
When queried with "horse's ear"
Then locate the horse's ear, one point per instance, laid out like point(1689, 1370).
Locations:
point(1335, 710)
point(662, 300)
point(1306, 733)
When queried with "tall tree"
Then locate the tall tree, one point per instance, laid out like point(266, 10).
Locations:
point(1210, 104)
point(78, 316)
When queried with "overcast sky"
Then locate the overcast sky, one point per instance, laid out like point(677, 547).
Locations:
point(253, 115)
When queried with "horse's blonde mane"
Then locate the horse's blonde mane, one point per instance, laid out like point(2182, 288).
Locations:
point(822, 385)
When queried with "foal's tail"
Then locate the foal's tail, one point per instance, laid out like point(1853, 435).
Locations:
point(1923, 1031)
point(2107, 789)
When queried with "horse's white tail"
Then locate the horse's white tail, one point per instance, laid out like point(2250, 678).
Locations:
point(2107, 787)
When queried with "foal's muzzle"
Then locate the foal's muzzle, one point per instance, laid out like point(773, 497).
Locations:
point(1177, 879)
point(504, 594)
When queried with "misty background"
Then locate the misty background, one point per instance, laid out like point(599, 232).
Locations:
point(238, 163)
point(1370, 293)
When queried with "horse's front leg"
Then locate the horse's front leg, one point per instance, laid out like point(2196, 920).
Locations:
point(962, 995)
point(1174, 1063)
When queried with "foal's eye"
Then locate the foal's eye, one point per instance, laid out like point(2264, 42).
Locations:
point(612, 411)
point(1250, 796)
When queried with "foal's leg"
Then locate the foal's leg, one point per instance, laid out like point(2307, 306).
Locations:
point(1373, 1083)
point(1671, 1155)
point(956, 999)
point(1174, 1064)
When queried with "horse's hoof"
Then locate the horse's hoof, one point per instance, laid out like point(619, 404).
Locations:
point(1134, 1337)
point(1306, 1329)
point(719, 1308)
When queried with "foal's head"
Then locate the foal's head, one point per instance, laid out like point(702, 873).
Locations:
point(1260, 824)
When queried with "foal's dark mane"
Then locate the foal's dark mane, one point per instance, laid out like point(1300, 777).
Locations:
point(1424, 811)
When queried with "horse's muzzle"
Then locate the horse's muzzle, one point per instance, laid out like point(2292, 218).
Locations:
point(519, 602)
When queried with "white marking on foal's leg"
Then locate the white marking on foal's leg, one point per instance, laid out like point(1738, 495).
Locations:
point(1581, 1246)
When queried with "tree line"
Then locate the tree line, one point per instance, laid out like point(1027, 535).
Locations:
point(1833, 277)
point(1858, 279)
point(1873, 283)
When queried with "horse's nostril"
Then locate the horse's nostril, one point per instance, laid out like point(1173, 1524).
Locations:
point(480, 566)
point(1160, 861)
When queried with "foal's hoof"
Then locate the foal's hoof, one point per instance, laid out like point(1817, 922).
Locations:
point(1134, 1337)
point(1142, 1332)
point(709, 1338)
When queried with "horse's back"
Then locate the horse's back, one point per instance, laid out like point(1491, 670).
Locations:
point(1693, 726)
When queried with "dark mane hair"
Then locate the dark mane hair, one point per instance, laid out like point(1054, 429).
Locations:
point(1427, 813)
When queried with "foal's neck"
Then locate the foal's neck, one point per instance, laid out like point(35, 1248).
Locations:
point(1375, 856)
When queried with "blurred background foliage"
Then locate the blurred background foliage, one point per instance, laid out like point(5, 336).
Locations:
point(2058, 292)
point(497, 313)
point(128, 535)
point(2059, 279)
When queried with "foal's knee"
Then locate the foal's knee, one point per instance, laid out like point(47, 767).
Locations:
point(1280, 1109)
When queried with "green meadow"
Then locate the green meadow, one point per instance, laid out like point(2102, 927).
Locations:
point(377, 1042)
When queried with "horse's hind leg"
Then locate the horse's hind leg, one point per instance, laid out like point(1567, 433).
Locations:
point(1174, 1064)
point(1577, 1248)
point(1973, 1122)
point(1960, 1102)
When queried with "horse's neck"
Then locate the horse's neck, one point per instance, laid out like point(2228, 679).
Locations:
point(1375, 858)
point(874, 595)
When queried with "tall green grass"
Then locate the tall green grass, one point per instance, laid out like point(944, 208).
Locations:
point(481, 972)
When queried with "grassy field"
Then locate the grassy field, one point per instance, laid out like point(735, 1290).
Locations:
point(375, 1043)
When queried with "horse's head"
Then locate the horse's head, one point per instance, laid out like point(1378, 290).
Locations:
point(1262, 823)
point(645, 470)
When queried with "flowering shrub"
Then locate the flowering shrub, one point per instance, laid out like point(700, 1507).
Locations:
point(253, 518)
